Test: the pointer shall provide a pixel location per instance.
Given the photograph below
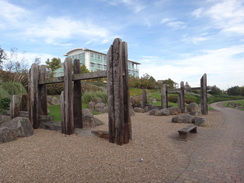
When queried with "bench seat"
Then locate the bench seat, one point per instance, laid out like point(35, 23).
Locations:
point(189, 129)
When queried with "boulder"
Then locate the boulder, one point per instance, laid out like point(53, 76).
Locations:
point(152, 112)
point(91, 105)
point(131, 111)
point(97, 100)
point(53, 100)
point(165, 112)
point(153, 100)
point(104, 110)
point(99, 107)
point(21, 126)
point(174, 110)
point(7, 135)
point(139, 110)
point(4, 119)
point(183, 118)
point(89, 120)
point(200, 121)
point(192, 108)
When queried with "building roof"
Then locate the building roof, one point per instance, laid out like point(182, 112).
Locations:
point(84, 49)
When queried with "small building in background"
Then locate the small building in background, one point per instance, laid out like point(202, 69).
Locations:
point(94, 61)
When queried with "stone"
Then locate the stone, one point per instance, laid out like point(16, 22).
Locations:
point(104, 110)
point(153, 100)
point(201, 121)
point(99, 107)
point(21, 126)
point(152, 112)
point(158, 113)
point(7, 135)
point(192, 108)
point(4, 119)
point(131, 111)
point(139, 110)
point(174, 110)
point(97, 100)
point(89, 120)
point(165, 112)
point(91, 105)
point(183, 118)
point(53, 100)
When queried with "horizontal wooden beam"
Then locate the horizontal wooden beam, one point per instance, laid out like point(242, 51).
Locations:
point(82, 76)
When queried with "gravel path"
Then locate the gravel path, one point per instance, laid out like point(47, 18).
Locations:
point(49, 156)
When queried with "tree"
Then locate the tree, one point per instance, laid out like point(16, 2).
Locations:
point(83, 69)
point(214, 90)
point(147, 81)
point(3, 56)
point(53, 65)
point(170, 83)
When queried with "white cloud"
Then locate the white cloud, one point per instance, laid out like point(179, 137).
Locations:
point(173, 23)
point(226, 15)
point(223, 67)
point(135, 5)
point(195, 39)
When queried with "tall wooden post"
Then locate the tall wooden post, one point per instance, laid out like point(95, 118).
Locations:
point(68, 97)
point(164, 96)
point(63, 126)
point(181, 97)
point(118, 91)
point(42, 91)
point(78, 123)
point(34, 102)
point(204, 97)
point(144, 98)
point(24, 103)
point(14, 106)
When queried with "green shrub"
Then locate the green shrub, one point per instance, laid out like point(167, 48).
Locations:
point(4, 104)
point(55, 89)
point(13, 88)
point(90, 96)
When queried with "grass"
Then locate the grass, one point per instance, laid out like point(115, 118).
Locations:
point(237, 101)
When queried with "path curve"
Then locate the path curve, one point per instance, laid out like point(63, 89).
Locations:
point(217, 153)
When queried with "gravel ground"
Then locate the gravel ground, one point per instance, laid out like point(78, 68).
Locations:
point(49, 156)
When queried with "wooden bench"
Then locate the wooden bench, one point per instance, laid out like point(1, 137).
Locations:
point(189, 129)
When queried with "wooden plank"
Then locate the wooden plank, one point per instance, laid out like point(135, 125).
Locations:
point(78, 123)
point(34, 105)
point(14, 106)
point(181, 101)
point(24, 103)
point(127, 120)
point(164, 96)
point(81, 76)
point(144, 98)
point(204, 96)
point(63, 126)
point(42, 91)
point(110, 87)
point(68, 97)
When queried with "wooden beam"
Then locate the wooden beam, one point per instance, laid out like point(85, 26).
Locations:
point(42, 91)
point(204, 97)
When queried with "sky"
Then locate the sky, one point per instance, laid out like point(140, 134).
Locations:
point(177, 39)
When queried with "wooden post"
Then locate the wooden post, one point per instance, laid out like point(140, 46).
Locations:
point(78, 122)
point(117, 68)
point(63, 126)
point(34, 105)
point(68, 97)
point(164, 96)
point(144, 98)
point(181, 97)
point(14, 106)
point(204, 97)
point(42, 91)
point(23, 103)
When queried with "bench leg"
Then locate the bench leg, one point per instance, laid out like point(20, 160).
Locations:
point(193, 130)
point(183, 135)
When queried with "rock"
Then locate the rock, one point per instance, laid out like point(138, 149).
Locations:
point(139, 110)
point(153, 100)
point(132, 112)
point(165, 112)
point(7, 135)
point(200, 121)
point(174, 110)
point(53, 100)
point(146, 109)
point(104, 110)
point(97, 100)
point(99, 107)
point(89, 120)
point(192, 108)
point(183, 118)
point(21, 126)
point(91, 105)
point(4, 119)
point(152, 112)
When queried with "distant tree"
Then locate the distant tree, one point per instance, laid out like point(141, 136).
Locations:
point(214, 90)
point(53, 65)
point(170, 83)
point(236, 90)
point(147, 81)
point(3, 56)
point(83, 69)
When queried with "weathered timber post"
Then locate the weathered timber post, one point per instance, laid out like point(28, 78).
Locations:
point(144, 98)
point(204, 97)
point(164, 96)
point(78, 122)
point(33, 92)
point(118, 91)
point(63, 126)
point(181, 97)
point(42, 91)
point(23, 103)
point(68, 97)
point(14, 106)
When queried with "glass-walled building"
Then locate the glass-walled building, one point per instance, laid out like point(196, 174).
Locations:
point(95, 61)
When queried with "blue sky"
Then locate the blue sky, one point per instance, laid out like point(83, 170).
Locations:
point(174, 39)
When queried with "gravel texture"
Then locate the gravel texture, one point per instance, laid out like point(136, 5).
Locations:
point(49, 156)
